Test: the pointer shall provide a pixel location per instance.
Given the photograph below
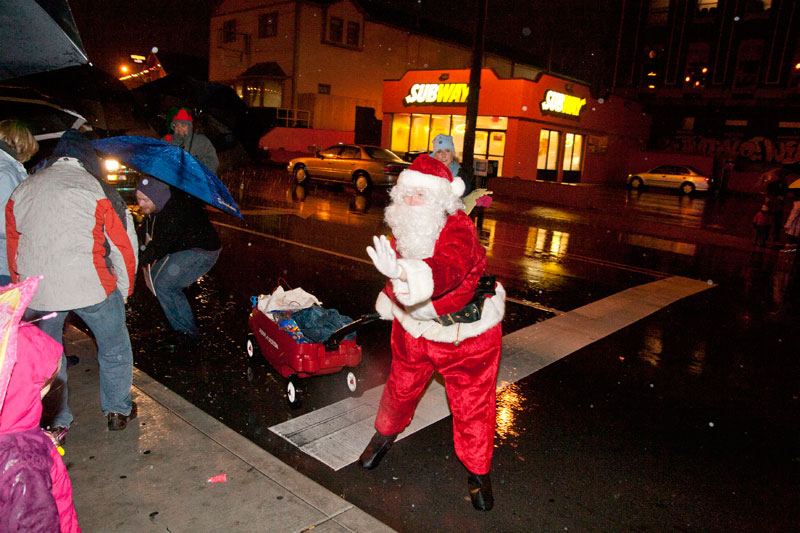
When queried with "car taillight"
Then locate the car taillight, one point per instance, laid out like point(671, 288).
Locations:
point(393, 169)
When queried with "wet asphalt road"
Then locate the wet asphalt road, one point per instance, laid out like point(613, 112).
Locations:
point(686, 420)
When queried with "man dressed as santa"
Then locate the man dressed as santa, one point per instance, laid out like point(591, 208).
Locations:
point(446, 315)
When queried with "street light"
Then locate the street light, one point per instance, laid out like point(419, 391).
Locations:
point(123, 69)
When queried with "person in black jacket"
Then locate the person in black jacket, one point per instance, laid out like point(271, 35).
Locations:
point(180, 246)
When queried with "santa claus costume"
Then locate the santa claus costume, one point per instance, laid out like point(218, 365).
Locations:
point(446, 318)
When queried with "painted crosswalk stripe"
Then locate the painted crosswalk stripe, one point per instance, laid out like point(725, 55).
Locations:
point(336, 434)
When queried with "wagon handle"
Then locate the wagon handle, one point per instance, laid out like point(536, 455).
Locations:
point(333, 341)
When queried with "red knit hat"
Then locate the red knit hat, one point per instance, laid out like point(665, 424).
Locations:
point(429, 173)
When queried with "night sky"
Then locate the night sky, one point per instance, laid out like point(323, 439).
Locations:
point(570, 37)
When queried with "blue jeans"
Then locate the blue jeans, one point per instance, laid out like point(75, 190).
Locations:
point(174, 272)
point(5, 279)
point(114, 355)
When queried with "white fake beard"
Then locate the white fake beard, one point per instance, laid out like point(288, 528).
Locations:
point(415, 228)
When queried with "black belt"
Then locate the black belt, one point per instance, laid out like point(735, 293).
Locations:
point(472, 311)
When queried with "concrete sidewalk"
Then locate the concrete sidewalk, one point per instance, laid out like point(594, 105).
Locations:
point(154, 475)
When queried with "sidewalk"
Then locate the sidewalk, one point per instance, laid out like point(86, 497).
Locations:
point(153, 476)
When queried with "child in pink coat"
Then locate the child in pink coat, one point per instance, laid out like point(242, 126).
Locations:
point(35, 491)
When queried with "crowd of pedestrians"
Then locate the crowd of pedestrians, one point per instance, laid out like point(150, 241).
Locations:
point(69, 239)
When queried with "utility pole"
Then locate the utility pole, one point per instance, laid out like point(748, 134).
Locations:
point(468, 160)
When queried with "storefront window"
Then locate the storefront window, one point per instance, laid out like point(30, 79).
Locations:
point(400, 131)
point(492, 123)
point(439, 124)
point(573, 160)
point(459, 126)
point(547, 168)
point(420, 130)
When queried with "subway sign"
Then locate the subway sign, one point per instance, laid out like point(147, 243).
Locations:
point(556, 103)
point(437, 94)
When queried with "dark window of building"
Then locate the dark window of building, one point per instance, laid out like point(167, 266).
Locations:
point(658, 13)
point(748, 63)
point(229, 31)
point(335, 29)
point(268, 25)
point(353, 33)
point(323, 88)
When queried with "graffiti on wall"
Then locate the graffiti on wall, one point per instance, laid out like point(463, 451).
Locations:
point(754, 149)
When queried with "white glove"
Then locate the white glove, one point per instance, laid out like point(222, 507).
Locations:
point(384, 257)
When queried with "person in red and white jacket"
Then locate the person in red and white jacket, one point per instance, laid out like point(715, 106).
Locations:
point(62, 225)
point(446, 315)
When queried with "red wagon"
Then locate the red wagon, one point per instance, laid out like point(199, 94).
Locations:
point(295, 360)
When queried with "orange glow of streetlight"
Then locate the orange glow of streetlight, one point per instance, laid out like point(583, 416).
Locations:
point(123, 68)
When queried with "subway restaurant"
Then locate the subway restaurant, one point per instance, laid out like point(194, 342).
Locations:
point(548, 128)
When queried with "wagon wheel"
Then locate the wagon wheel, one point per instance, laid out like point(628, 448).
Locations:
point(352, 381)
point(293, 392)
point(252, 346)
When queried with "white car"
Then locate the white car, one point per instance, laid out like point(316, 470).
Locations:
point(684, 178)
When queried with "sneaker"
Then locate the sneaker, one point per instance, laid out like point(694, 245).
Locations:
point(118, 421)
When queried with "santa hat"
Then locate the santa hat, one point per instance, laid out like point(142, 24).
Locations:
point(182, 115)
point(429, 173)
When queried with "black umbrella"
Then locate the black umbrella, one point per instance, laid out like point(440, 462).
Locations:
point(38, 36)
point(218, 109)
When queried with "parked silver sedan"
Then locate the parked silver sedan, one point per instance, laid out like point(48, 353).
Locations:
point(684, 178)
point(362, 166)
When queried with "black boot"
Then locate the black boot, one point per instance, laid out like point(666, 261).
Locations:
point(376, 449)
point(480, 491)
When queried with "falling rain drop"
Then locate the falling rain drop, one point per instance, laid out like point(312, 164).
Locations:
point(524, 108)
point(711, 424)
point(526, 32)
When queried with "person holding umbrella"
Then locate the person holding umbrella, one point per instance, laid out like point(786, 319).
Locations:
point(197, 144)
point(180, 247)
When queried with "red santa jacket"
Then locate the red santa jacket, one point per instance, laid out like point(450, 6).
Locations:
point(441, 284)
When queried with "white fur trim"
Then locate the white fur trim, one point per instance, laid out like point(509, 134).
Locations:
point(419, 285)
point(414, 178)
point(384, 305)
point(494, 308)
point(458, 186)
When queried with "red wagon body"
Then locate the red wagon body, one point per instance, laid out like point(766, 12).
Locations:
point(290, 357)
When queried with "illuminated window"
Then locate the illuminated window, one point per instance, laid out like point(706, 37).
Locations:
point(268, 25)
point(440, 124)
point(401, 127)
point(335, 29)
point(573, 148)
point(492, 123)
point(706, 8)
point(420, 132)
point(353, 33)
point(458, 126)
point(548, 155)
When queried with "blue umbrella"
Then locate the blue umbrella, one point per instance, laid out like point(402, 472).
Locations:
point(171, 164)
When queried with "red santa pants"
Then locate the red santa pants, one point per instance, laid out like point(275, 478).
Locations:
point(470, 375)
